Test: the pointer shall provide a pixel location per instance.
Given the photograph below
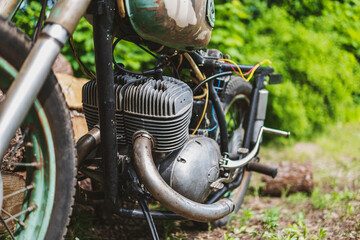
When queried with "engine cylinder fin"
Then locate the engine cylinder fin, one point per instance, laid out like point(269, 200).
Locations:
point(161, 107)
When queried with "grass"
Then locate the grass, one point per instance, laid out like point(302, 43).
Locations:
point(331, 211)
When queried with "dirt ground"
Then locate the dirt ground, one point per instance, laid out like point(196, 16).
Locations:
point(297, 219)
point(331, 211)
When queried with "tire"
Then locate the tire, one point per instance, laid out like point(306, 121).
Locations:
point(47, 137)
point(236, 104)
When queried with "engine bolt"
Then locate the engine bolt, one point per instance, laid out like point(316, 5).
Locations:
point(243, 150)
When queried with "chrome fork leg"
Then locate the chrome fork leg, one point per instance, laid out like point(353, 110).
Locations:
point(62, 21)
point(29, 81)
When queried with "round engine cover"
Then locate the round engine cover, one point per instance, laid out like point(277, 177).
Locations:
point(191, 170)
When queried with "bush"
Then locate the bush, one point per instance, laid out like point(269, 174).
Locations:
point(315, 44)
point(321, 72)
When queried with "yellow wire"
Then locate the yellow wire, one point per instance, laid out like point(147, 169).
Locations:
point(201, 96)
point(205, 107)
point(256, 67)
point(231, 61)
point(168, 64)
point(252, 71)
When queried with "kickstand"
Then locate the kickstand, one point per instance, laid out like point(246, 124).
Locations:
point(140, 196)
point(149, 219)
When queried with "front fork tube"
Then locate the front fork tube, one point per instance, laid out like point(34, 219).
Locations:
point(35, 69)
point(257, 86)
point(8, 8)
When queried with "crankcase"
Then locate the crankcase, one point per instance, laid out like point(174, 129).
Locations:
point(191, 170)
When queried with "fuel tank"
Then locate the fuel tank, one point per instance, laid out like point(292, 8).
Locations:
point(180, 24)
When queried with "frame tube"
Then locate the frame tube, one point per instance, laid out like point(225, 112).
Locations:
point(105, 85)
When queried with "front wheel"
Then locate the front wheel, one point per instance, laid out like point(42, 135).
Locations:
point(236, 105)
point(38, 171)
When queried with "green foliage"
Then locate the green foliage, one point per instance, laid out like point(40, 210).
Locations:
point(314, 44)
point(26, 18)
point(333, 200)
point(270, 220)
point(126, 53)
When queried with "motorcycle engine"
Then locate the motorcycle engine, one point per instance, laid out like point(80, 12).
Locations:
point(163, 108)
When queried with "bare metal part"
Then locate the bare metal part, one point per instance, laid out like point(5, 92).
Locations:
point(243, 150)
point(121, 7)
point(150, 177)
point(87, 143)
point(67, 13)
point(261, 112)
point(198, 74)
point(228, 163)
point(26, 86)
point(7, 7)
point(182, 172)
point(276, 132)
point(165, 110)
point(57, 32)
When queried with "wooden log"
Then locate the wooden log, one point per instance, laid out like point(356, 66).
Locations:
point(12, 182)
point(62, 65)
point(72, 89)
point(79, 124)
point(291, 178)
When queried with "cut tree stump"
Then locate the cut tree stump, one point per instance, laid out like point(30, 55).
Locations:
point(72, 89)
point(62, 65)
point(79, 124)
point(12, 182)
point(291, 178)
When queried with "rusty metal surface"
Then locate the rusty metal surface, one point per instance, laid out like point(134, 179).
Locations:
point(180, 24)
point(67, 13)
point(7, 7)
point(150, 177)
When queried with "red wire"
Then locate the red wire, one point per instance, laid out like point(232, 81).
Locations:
point(234, 69)
point(245, 74)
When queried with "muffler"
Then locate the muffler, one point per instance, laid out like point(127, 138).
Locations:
point(161, 191)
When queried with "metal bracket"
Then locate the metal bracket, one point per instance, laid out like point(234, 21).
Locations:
point(228, 163)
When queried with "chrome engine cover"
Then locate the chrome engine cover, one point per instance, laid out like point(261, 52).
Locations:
point(191, 170)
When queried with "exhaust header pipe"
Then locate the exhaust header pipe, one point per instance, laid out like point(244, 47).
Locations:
point(150, 177)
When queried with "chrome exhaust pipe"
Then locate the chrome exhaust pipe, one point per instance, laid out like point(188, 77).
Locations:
point(161, 191)
point(87, 143)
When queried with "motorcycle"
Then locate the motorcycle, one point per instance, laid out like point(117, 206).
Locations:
point(185, 133)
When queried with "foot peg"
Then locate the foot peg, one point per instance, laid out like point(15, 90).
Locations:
point(261, 168)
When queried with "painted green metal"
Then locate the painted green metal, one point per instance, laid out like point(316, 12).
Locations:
point(9, 70)
point(43, 178)
point(210, 12)
point(179, 24)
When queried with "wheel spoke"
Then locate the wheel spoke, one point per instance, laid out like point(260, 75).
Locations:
point(22, 224)
point(33, 164)
point(31, 208)
point(7, 227)
point(19, 191)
